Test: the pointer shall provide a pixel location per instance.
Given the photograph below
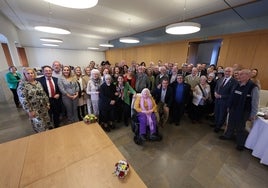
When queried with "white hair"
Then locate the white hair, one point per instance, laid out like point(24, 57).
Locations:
point(94, 71)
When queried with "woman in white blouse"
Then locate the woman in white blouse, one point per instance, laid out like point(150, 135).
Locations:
point(93, 87)
point(201, 97)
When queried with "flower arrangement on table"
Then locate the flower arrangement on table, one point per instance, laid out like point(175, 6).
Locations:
point(90, 118)
point(121, 169)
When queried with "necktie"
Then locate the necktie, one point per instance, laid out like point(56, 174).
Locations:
point(163, 94)
point(51, 86)
point(223, 83)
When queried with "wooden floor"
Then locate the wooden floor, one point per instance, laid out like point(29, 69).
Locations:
point(190, 155)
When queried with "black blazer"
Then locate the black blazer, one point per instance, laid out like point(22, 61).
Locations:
point(226, 90)
point(186, 91)
point(168, 98)
point(43, 82)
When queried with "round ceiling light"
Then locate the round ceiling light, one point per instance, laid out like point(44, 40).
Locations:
point(131, 40)
point(51, 40)
point(183, 28)
point(47, 44)
point(107, 45)
point(77, 4)
point(53, 30)
point(92, 48)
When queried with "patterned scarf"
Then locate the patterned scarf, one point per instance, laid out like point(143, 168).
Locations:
point(148, 100)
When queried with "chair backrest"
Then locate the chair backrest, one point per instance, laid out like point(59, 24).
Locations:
point(263, 98)
point(133, 111)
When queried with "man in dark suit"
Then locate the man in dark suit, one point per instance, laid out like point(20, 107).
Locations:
point(243, 106)
point(163, 96)
point(181, 93)
point(50, 85)
point(223, 90)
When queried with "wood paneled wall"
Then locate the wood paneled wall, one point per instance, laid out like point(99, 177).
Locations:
point(175, 52)
point(249, 49)
point(7, 54)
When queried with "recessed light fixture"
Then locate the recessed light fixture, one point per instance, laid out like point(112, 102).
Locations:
point(47, 44)
point(131, 40)
point(183, 28)
point(92, 48)
point(51, 40)
point(53, 30)
point(77, 4)
point(107, 45)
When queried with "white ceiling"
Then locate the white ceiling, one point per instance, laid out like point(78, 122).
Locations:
point(145, 19)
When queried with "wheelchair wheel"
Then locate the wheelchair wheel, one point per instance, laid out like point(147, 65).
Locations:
point(137, 140)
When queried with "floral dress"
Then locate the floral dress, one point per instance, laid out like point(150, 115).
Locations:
point(33, 98)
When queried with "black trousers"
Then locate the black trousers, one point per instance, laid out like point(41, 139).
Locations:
point(15, 97)
point(55, 110)
point(177, 111)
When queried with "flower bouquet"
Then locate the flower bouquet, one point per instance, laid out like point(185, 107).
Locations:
point(121, 169)
point(90, 118)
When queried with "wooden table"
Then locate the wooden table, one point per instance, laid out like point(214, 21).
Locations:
point(73, 156)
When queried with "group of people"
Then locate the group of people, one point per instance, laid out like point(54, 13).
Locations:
point(166, 90)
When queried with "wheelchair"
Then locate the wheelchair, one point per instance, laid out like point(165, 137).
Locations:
point(135, 126)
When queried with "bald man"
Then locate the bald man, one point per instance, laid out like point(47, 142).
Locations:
point(243, 106)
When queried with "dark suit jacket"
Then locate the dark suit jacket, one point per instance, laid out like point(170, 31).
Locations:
point(43, 82)
point(168, 97)
point(226, 90)
point(186, 91)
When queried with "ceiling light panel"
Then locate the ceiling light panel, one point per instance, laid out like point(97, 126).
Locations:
point(51, 40)
point(76, 4)
point(54, 30)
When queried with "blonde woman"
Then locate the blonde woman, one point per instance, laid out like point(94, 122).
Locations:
point(87, 74)
point(69, 89)
point(34, 101)
point(82, 96)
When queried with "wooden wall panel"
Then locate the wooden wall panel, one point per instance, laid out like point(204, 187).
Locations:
point(248, 49)
point(144, 54)
point(178, 52)
point(157, 53)
point(129, 55)
point(241, 50)
point(7, 54)
point(260, 60)
point(114, 55)
point(223, 52)
point(22, 56)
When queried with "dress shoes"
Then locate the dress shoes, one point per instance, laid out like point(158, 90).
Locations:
point(105, 127)
point(216, 130)
point(212, 125)
point(222, 137)
point(155, 137)
point(143, 137)
point(240, 148)
point(19, 106)
point(177, 124)
point(194, 121)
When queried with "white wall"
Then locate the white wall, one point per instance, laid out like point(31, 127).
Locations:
point(10, 32)
point(38, 57)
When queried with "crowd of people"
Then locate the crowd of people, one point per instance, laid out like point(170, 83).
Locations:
point(229, 96)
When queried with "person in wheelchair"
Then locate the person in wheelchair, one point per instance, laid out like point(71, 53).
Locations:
point(146, 109)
